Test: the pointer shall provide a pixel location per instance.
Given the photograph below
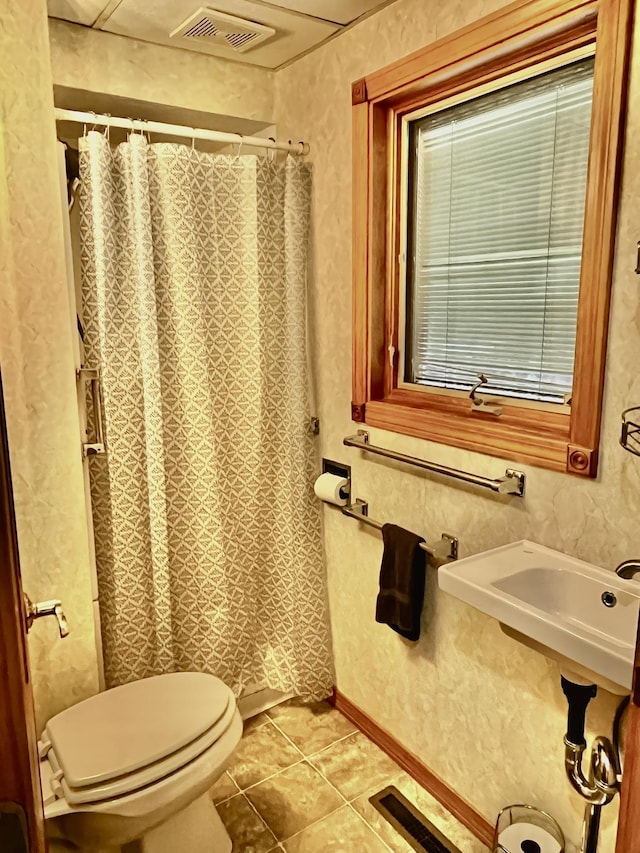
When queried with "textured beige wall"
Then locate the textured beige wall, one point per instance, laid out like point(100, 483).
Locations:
point(95, 61)
point(37, 365)
point(482, 711)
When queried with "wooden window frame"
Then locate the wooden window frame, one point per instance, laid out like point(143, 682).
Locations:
point(510, 42)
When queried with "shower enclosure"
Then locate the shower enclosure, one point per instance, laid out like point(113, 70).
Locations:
point(207, 535)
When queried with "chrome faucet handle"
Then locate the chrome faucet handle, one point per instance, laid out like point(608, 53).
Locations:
point(45, 608)
point(628, 568)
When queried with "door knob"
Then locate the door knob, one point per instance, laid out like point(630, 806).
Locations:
point(45, 608)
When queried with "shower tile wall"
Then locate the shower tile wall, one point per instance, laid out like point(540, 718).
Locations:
point(483, 712)
point(301, 781)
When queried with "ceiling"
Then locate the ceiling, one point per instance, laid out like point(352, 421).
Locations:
point(287, 28)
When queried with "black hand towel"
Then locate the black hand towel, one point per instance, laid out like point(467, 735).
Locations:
point(402, 576)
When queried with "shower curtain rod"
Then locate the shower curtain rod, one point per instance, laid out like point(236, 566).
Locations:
point(93, 120)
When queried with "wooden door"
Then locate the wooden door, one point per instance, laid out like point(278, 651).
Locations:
point(21, 816)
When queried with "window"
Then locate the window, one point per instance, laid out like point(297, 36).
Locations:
point(485, 175)
point(495, 218)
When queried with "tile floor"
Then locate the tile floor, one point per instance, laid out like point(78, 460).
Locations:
point(300, 783)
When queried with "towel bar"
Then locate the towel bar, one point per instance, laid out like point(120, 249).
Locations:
point(512, 483)
point(445, 549)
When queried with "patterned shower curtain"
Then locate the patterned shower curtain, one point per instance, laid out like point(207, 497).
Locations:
point(208, 537)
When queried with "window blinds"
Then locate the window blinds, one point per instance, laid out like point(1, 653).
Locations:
point(495, 237)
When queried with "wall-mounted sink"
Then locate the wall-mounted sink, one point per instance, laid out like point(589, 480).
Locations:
point(555, 604)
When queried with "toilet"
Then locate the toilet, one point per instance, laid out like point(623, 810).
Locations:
point(129, 770)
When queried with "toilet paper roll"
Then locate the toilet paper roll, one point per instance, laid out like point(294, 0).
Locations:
point(332, 489)
point(528, 838)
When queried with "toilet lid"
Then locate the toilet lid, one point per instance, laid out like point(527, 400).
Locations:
point(145, 776)
point(128, 728)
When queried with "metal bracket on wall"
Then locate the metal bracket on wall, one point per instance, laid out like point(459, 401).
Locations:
point(92, 376)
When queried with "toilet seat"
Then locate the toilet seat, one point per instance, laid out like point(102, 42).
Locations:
point(135, 735)
point(116, 822)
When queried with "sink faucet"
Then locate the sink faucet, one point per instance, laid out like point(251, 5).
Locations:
point(628, 569)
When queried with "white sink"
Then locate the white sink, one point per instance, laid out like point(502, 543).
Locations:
point(553, 603)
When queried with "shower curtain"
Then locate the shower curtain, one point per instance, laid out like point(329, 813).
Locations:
point(207, 533)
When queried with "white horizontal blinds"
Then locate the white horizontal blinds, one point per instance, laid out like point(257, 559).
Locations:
point(495, 237)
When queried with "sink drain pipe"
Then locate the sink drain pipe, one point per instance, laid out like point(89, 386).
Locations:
point(602, 783)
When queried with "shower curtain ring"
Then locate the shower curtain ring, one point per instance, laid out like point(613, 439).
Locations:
point(193, 139)
point(239, 146)
point(271, 152)
point(107, 129)
point(95, 115)
point(303, 146)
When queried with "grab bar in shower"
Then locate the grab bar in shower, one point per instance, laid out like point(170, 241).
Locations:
point(92, 377)
point(513, 482)
point(445, 549)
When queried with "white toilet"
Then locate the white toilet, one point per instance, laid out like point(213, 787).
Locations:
point(129, 770)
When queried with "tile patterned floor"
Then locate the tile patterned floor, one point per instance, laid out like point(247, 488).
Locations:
point(300, 783)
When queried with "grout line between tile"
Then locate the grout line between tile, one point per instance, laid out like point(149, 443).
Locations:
point(373, 829)
point(335, 743)
point(315, 822)
point(255, 726)
point(261, 819)
point(273, 775)
point(279, 844)
point(353, 799)
point(327, 780)
point(231, 796)
point(309, 760)
point(285, 735)
point(306, 759)
point(328, 815)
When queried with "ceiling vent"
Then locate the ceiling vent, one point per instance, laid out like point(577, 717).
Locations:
point(221, 30)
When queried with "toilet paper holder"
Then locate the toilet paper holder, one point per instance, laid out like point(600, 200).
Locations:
point(339, 470)
point(523, 827)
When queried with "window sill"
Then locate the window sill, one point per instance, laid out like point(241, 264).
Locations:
point(533, 437)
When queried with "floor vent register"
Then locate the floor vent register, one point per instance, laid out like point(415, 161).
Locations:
point(412, 825)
